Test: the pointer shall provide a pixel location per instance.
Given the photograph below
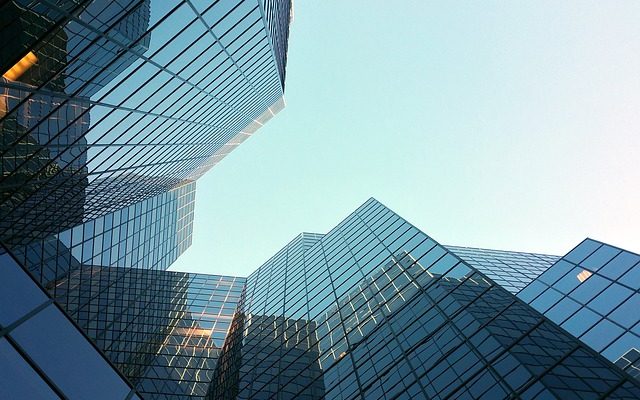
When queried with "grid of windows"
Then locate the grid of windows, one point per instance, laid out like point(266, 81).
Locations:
point(206, 75)
point(376, 309)
point(109, 112)
point(594, 293)
point(45, 354)
point(150, 234)
point(630, 362)
point(511, 270)
point(163, 329)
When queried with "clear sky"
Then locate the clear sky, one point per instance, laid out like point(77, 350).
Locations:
point(509, 125)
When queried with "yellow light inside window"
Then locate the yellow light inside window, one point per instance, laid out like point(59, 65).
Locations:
point(21, 67)
point(584, 275)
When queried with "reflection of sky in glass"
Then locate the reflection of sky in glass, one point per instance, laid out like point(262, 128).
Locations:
point(593, 292)
point(511, 270)
point(161, 224)
point(375, 306)
point(146, 93)
point(205, 95)
point(189, 352)
point(211, 301)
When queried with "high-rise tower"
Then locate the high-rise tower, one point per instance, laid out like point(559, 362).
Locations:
point(377, 309)
point(109, 112)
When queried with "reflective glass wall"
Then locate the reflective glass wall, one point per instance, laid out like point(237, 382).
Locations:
point(594, 293)
point(109, 112)
point(162, 329)
point(113, 333)
point(105, 103)
point(43, 353)
point(377, 309)
point(510, 269)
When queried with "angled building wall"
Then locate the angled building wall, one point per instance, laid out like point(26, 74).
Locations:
point(391, 313)
point(109, 111)
point(510, 269)
point(43, 353)
point(144, 93)
point(594, 293)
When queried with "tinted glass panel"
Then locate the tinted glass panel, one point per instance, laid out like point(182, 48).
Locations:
point(67, 357)
point(18, 380)
point(19, 294)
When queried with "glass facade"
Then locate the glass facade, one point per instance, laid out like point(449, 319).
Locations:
point(377, 309)
point(150, 234)
point(630, 362)
point(146, 333)
point(593, 292)
point(509, 269)
point(162, 329)
point(106, 102)
point(43, 353)
point(109, 112)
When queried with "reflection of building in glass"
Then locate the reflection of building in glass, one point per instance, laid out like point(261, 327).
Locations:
point(269, 348)
point(150, 234)
point(509, 269)
point(45, 107)
point(630, 362)
point(109, 110)
point(96, 40)
point(200, 91)
point(43, 167)
point(593, 292)
point(394, 315)
point(162, 329)
point(281, 352)
point(43, 353)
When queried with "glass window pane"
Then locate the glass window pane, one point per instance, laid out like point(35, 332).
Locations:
point(17, 379)
point(589, 288)
point(67, 357)
point(18, 290)
point(556, 271)
point(628, 313)
point(582, 251)
point(619, 265)
point(612, 297)
point(546, 300)
point(531, 291)
point(581, 322)
point(632, 278)
point(602, 335)
point(562, 310)
point(600, 257)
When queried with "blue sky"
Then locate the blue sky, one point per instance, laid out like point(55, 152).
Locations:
point(508, 125)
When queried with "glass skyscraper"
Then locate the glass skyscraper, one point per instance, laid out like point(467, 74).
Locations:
point(109, 112)
point(593, 292)
point(77, 138)
point(511, 270)
point(377, 309)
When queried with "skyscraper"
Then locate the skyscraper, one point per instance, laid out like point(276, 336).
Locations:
point(109, 112)
point(200, 91)
point(511, 270)
point(593, 292)
point(377, 309)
